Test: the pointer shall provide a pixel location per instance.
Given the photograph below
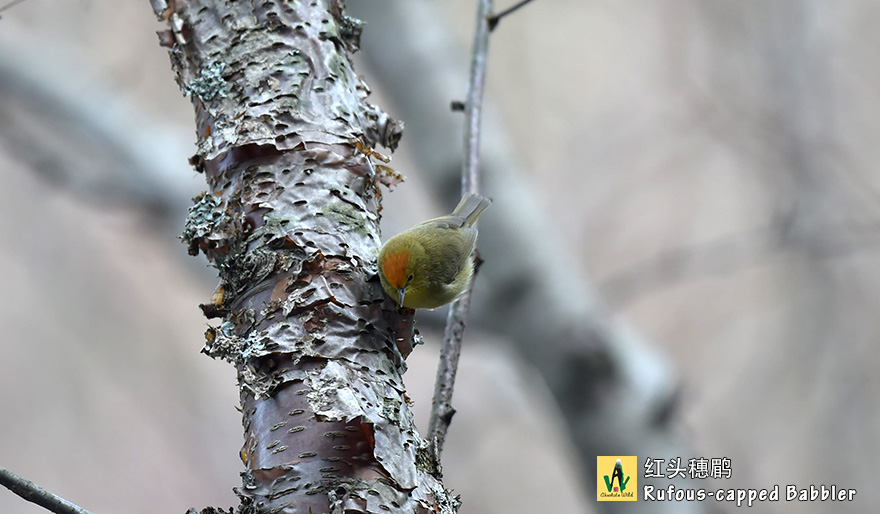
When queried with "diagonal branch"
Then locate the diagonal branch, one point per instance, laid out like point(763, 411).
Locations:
point(11, 4)
point(441, 409)
point(36, 494)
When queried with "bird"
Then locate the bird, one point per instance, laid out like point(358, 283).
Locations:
point(430, 264)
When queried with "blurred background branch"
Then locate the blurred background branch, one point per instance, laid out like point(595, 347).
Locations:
point(85, 139)
point(614, 391)
point(694, 165)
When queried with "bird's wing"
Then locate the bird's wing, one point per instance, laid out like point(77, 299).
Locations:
point(469, 241)
point(457, 255)
point(447, 254)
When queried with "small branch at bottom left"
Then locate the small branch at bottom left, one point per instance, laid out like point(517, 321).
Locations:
point(36, 494)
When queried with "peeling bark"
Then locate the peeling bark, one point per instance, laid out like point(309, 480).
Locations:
point(291, 222)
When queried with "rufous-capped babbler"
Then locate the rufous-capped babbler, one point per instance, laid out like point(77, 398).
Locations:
point(430, 264)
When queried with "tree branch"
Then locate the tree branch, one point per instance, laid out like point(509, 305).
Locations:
point(80, 137)
point(36, 494)
point(441, 410)
point(496, 18)
point(9, 5)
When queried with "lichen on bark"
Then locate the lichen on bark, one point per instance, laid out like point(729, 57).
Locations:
point(291, 222)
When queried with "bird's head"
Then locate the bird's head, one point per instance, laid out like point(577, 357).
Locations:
point(395, 265)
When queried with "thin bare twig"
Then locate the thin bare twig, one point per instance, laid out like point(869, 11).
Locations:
point(441, 407)
point(470, 173)
point(36, 494)
point(495, 18)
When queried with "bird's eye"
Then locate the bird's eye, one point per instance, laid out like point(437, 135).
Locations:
point(409, 279)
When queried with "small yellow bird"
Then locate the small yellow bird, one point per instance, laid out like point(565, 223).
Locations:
point(430, 264)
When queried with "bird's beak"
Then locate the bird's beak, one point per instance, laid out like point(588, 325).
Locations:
point(401, 292)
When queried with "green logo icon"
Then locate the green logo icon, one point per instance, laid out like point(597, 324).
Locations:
point(622, 479)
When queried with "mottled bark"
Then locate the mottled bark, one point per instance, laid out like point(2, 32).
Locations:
point(291, 223)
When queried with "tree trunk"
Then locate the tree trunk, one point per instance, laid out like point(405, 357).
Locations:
point(291, 224)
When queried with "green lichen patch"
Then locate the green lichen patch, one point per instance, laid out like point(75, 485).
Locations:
point(348, 215)
point(209, 84)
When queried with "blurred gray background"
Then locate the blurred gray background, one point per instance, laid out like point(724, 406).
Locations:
point(705, 166)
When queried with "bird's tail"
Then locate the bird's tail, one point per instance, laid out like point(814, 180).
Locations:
point(470, 207)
